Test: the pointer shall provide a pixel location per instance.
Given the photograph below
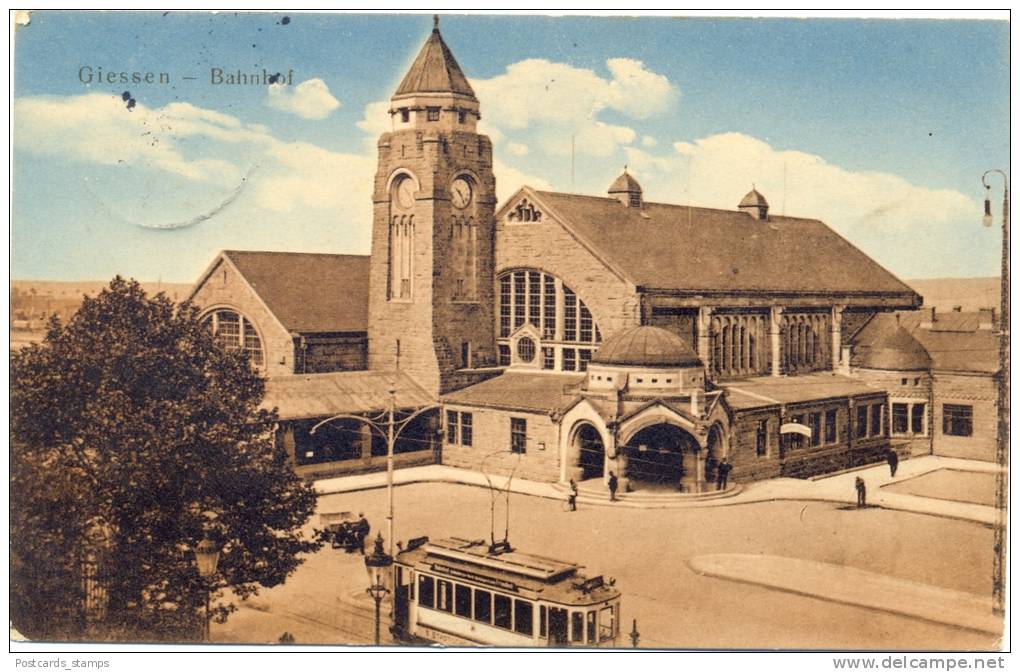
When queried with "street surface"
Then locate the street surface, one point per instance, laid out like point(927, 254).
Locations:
point(648, 552)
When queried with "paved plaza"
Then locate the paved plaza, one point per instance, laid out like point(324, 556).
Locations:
point(676, 565)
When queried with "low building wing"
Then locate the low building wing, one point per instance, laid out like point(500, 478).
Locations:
point(322, 395)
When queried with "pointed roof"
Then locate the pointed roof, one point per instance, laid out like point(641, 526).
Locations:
point(753, 199)
point(625, 183)
point(435, 70)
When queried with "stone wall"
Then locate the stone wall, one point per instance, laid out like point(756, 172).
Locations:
point(491, 443)
point(332, 352)
point(978, 391)
point(907, 387)
point(225, 287)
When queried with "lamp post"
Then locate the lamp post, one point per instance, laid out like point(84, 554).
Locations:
point(635, 636)
point(1002, 426)
point(207, 557)
point(378, 566)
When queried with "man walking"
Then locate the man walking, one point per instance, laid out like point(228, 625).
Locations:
point(861, 492)
point(894, 461)
point(572, 497)
point(614, 483)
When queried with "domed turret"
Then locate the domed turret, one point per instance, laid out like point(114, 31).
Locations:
point(754, 204)
point(626, 190)
point(895, 350)
point(646, 347)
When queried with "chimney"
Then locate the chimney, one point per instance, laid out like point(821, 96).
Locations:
point(929, 320)
point(986, 319)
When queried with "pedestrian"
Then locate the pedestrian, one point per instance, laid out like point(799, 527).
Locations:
point(614, 483)
point(861, 492)
point(894, 461)
point(722, 474)
point(572, 498)
point(361, 530)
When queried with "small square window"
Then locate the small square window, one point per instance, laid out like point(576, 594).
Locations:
point(433, 113)
point(640, 380)
point(903, 381)
point(654, 381)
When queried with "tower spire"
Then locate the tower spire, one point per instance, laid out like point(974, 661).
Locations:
point(435, 22)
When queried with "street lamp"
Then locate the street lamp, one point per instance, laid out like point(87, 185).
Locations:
point(635, 636)
point(378, 566)
point(1002, 428)
point(207, 557)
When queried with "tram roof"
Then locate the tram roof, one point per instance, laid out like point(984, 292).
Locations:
point(531, 576)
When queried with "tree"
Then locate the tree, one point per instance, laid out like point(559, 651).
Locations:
point(134, 435)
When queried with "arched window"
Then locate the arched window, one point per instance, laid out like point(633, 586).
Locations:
point(233, 331)
point(401, 252)
point(569, 334)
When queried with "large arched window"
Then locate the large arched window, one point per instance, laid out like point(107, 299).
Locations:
point(568, 332)
point(234, 331)
point(736, 341)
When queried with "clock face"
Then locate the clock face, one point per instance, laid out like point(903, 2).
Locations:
point(405, 193)
point(460, 193)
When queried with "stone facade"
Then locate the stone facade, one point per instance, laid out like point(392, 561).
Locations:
point(912, 389)
point(491, 442)
point(225, 287)
point(547, 246)
point(974, 390)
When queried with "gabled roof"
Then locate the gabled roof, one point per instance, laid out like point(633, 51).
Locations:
point(435, 70)
point(321, 395)
point(309, 293)
point(680, 248)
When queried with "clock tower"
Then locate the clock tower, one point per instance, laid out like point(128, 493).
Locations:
point(433, 231)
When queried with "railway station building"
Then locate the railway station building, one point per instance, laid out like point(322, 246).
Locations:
point(558, 335)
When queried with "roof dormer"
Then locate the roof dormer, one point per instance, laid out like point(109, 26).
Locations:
point(626, 190)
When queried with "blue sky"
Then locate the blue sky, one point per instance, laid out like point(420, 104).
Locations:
point(880, 127)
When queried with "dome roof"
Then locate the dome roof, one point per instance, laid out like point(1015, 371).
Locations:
point(625, 183)
point(894, 350)
point(754, 199)
point(646, 346)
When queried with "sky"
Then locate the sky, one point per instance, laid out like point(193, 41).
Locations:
point(881, 128)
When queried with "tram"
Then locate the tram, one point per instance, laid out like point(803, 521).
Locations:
point(461, 592)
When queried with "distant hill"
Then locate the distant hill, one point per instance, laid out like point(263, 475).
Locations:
point(969, 294)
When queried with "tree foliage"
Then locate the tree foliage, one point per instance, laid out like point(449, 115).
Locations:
point(134, 434)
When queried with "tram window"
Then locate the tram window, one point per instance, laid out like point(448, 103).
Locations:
point(541, 621)
point(577, 626)
point(502, 611)
point(426, 591)
point(410, 583)
point(483, 606)
point(592, 616)
point(606, 626)
point(444, 595)
point(462, 601)
point(524, 617)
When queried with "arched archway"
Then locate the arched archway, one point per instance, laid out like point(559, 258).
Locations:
point(661, 456)
point(590, 451)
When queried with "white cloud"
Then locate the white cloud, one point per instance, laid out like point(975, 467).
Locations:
point(648, 141)
point(871, 208)
point(509, 180)
point(199, 145)
point(310, 99)
point(557, 106)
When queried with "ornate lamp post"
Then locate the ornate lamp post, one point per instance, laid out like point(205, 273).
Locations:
point(378, 566)
point(635, 636)
point(1002, 429)
point(207, 557)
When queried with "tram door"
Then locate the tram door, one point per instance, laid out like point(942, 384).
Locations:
point(557, 626)
point(401, 598)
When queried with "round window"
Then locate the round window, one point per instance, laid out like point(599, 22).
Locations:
point(526, 349)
